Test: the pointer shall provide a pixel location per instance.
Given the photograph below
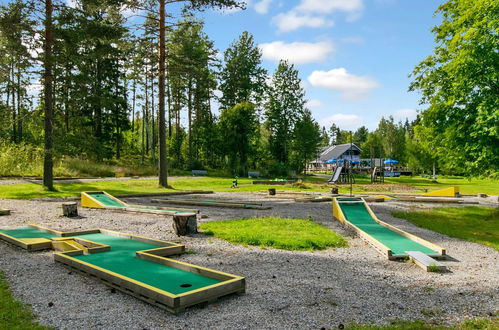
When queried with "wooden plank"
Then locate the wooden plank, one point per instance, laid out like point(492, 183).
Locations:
point(167, 193)
point(211, 204)
point(427, 263)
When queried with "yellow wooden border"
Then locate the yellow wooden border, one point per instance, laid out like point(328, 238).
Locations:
point(338, 213)
point(229, 283)
point(413, 237)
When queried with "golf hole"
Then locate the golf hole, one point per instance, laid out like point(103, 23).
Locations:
point(186, 285)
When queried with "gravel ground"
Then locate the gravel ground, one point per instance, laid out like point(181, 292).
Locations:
point(285, 290)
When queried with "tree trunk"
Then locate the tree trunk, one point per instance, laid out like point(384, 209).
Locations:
point(153, 135)
point(133, 104)
point(47, 89)
point(14, 113)
point(163, 169)
point(19, 109)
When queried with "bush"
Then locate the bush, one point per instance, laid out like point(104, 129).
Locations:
point(20, 160)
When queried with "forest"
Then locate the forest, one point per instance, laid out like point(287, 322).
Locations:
point(81, 84)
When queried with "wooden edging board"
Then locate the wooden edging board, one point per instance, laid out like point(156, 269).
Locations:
point(378, 246)
point(385, 251)
point(212, 204)
point(4, 212)
point(172, 302)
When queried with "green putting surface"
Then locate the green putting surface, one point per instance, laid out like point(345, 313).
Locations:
point(122, 260)
point(358, 215)
point(110, 202)
point(27, 232)
point(106, 200)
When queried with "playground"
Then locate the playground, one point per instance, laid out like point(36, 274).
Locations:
point(285, 288)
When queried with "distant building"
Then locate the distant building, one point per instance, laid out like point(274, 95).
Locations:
point(340, 152)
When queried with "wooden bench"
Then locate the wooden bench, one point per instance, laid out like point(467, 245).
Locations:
point(199, 172)
point(427, 263)
point(253, 175)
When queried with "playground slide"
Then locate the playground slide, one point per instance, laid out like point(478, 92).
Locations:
point(389, 240)
point(336, 174)
point(136, 265)
point(103, 200)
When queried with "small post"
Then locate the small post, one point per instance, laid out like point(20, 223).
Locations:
point(185, 224)
point(70, 210)
point(271, 191)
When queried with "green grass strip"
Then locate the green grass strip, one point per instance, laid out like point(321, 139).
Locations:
point(473, 223)
point(480, 323)
point(285, 234)
point(13, 314)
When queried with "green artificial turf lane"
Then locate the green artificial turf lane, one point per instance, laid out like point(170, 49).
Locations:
point(121, 259)
point(357, 214)
point(106, 200)
point(27, 232)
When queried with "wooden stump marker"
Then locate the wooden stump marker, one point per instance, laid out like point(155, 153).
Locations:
point(4, 212)
point(185, 224)
point(70, 209)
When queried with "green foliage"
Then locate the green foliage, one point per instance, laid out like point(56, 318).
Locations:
point(458, 83)
point(238, 125)
point(13, 314)
point(242, 78)
point(473, 223)
point(20, 160)
point(286, 234)
point(306, 141)
point(285, 107)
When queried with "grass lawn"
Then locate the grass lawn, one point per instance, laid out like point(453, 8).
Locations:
point(473, 223)
point(139, 186)
point(310, 183)
point(13, 314)
point(485, 324)
point(285, 234)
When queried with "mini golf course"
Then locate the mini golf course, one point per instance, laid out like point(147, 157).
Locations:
point(133, 264)
point(387, 239)
point(103, 200)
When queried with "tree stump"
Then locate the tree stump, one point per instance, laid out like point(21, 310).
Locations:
point(70, 209)
point(4, 212)
point(271, 191)
point(185, 224)
point(334, 191)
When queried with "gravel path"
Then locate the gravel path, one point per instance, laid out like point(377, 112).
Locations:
point(285, 290)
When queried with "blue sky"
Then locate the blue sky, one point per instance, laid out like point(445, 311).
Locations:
point(354, 56)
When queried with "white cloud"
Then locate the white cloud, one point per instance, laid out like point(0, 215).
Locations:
point(292, 20)
point(314, 104)
point(296, 52)
point(352, 87)
point(329, 6)
point(262, 7)
point(403, 114)
point(344, 121)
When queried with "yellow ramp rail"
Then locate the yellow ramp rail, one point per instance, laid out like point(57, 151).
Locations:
point(447, 192)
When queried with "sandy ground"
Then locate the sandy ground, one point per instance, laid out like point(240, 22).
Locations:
point(285, 290)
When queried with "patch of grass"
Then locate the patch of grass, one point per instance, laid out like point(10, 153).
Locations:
point(224, 184)
point(285, 234)
point(482, 323)
point(431, 312)
point(13, 314)
point(473, 223)
point(433, 268)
